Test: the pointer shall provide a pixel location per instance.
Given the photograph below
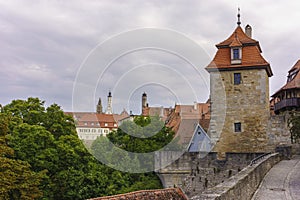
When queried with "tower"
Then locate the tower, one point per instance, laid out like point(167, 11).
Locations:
point(99, 106)
point(144, 104)
point(239, 89)
point(109, 103)
point(144, 100)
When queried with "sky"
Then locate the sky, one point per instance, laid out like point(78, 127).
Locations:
point(73, 52)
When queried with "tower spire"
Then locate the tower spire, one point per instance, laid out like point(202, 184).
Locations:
point(239, 17)
point(99, 106)
point(109, 103)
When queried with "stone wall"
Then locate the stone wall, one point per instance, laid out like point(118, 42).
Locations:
point(209, 171)
point(195, 173)
point(242, 185)
point(247, 103)
point(172, 173)
point(278, 132)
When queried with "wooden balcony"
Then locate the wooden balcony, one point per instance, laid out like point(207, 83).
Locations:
point(287, 104)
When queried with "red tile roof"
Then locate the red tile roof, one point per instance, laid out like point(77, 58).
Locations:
point(251, 54)
point(157, 111)
point(235, 43)
point(293, 82)
point(240, 35)
point(90, 119)
point(184, 118)
point(163, 194)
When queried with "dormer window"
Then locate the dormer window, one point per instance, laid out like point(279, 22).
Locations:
point(236, 55)
point(292, 75)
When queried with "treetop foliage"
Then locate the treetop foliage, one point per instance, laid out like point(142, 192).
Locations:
point(41, 157)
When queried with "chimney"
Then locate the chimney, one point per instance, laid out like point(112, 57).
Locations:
point(248, 31)
point(195, 105)
point(161, 112)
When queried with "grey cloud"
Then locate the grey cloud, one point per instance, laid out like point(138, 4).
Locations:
point(56, 36)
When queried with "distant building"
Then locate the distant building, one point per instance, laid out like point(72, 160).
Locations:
point(147, 110)
point(288, 97)
point(90, 125)
point(99, 108)
point(184, 120)
point(200, 141)
point(109, 109)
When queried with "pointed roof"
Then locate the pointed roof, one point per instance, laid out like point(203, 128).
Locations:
point(238, 34)
point(251, 54)
point(236, 42)
point(293, 81)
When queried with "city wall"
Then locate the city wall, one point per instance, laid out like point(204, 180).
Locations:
point(242, 185)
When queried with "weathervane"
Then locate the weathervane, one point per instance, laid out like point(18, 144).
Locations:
point(239, 17)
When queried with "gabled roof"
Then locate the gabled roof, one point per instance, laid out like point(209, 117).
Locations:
point(96, 120)
point(251, 54)
point(200, 141)
point(184, 119)
point(293, 81)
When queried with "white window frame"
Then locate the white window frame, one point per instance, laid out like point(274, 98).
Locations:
point(239, 60)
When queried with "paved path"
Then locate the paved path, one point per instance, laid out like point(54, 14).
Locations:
point(282, 182)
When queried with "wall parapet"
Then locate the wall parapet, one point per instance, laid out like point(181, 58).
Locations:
point(243, 184)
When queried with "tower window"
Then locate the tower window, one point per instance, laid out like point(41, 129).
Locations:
point(237, 78)
point(237, 127)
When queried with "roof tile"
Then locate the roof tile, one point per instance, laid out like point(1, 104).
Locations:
point(294, 83)
point(169, 193)
point(251, 53)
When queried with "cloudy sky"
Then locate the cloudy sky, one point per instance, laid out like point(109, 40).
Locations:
point(72, 52)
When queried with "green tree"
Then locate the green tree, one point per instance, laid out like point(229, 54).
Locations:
point(46, 138)
point(143, 135)
point(17, 180)
point(294, 126)
point(50, 162)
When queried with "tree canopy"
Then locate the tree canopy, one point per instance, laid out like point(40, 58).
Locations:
point(18, 181)
point(294, 125)
point(43, 158)
point(144, 134)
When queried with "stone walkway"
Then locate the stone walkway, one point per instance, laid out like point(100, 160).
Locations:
point(282, 182)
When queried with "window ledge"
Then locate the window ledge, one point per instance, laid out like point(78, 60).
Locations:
point(236, 61)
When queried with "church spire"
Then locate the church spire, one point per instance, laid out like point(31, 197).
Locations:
point(99, 106)
point(239, 17)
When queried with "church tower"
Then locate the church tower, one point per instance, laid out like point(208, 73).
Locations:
point(239, 89)
point(109, 104)
point(99, 106)
point(145, 110)
point(144, 100)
